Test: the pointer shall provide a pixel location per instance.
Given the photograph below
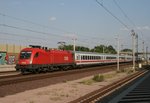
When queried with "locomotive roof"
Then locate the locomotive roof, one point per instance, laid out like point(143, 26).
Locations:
point(51, 50)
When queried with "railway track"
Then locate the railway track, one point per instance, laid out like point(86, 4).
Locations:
point(98, 95)
point(8, 74)
point(11, 79)
point(9, 86)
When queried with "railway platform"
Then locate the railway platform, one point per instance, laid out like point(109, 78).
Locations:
point(4, 68)
point(137, 93)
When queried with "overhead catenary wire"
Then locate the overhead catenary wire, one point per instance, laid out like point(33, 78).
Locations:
point(30, 30)
point(125, 15)
point(100, 4)
point(39, 32)
point(48, 27)
point(38, 38)
point(34, 23)
point(25, 36)
point(20, 41)
point(30, 36)
point(126, 26)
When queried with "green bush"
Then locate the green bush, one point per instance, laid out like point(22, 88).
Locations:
point(98, 78)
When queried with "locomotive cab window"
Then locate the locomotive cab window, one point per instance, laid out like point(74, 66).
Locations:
point(25, 55)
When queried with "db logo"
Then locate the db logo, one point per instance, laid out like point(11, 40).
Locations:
point(65, 58)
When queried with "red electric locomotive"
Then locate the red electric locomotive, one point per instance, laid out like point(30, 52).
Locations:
point(38, 59)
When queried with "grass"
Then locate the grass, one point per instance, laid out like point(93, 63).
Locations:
point(111, 75)
point(98, 78)
point(102, 77)
point(65, 81)
point(87, 82)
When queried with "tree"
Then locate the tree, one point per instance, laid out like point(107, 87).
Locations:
point(111, 50)
point(100, 49)
point(126, 50)
point(78, 48)
point(104, 49)
point(81, 48)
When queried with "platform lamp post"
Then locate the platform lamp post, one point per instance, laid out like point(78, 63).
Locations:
point(133, 47)
point(74, 44)
point(136, 37)
point(147, 55)
point(118, 49)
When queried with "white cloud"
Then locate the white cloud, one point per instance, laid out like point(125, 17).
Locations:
point(137, 28)
point(124, 29)
point(143, 28)
point(146, 27)
point(52, 18)
point(72, 36)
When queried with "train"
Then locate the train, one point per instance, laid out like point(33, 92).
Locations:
point(36, 59)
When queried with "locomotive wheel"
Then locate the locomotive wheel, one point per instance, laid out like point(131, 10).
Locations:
point(23, 71)
point(65, 68)
point(36, 71)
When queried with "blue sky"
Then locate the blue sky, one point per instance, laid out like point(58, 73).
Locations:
point(46, 22)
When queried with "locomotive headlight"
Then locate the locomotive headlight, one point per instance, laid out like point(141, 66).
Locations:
point(30, 61)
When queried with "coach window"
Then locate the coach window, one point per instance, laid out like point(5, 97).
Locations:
point(81, 57)
point(77, 57)
point(107, 57)
point(88, 57)
point(36, 55)
point(99, 57)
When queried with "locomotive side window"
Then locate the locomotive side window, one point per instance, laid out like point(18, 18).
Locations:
point(25, 55)
point(36, 55)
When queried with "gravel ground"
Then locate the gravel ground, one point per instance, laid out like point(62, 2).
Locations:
point(62, 92)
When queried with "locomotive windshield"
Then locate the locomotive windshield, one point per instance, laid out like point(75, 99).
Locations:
point(25, 55)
